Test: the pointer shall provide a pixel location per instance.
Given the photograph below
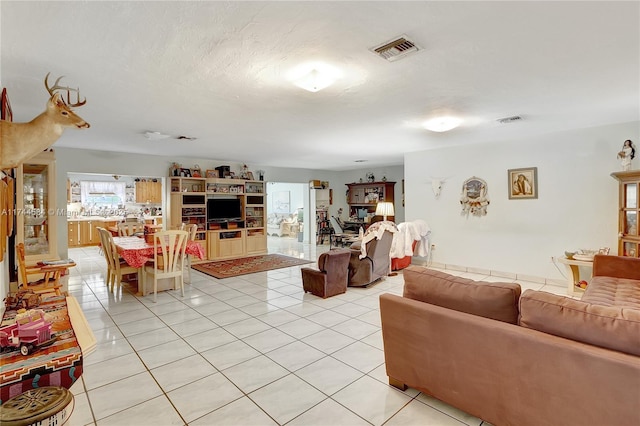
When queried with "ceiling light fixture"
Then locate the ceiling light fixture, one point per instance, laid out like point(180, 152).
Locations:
point(442, 124)
point(154, 136)
point(314, 76)
point(315, 81)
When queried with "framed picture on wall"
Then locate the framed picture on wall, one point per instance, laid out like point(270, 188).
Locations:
point(523, 183)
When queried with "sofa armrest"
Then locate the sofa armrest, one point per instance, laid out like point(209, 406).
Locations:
point(616, 267)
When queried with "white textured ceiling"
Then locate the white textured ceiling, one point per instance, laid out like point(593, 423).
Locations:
point(218, 71)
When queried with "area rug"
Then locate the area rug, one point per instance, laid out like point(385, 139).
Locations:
point(248, 265)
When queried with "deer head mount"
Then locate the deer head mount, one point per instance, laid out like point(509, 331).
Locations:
point(21, 141)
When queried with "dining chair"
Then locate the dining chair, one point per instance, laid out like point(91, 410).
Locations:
point(116, 267)
point(51, 273)
point(191, 229)
point(168, 259)
point(127, 229)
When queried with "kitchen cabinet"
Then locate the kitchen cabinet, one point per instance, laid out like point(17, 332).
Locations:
point(149, 192)
point(85, 232)
point(73, 232)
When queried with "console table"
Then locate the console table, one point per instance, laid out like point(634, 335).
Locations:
point(573, 273)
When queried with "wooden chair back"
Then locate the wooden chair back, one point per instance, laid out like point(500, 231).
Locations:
point(127, 229)
point(170, 246)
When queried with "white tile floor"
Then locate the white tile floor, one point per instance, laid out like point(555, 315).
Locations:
point(251, 350)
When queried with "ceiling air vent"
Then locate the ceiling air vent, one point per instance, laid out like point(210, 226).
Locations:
point(508, 120)
point(396, 49)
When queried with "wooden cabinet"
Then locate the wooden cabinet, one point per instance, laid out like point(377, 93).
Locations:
point(366, 195)
point(255, 217)
point(149, 192)
point(244, 234)
point(36, 200)
point(188, 204)
point(85, 232)
point(628, 212)
point(226, 244)
point(73, 231)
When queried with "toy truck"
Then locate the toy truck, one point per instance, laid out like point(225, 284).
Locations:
point(28, 332)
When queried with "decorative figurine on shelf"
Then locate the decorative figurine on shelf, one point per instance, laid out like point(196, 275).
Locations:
point(370, 177)
point(627, 154)
point(197, 171)
point(174, 170)
point(260, 174)
point(244, 174)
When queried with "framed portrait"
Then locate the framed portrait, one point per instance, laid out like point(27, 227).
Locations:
point(211, 173)
point(185, 172)
point(523, 183)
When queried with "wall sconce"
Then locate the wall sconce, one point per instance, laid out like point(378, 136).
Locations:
point(384, 209)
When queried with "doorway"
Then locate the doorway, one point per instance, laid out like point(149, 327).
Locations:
point(287, 204)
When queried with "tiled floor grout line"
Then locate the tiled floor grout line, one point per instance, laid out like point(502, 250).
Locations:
point(104, 308)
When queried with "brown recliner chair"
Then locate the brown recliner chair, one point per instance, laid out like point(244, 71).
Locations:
point(331, 279)
point(376, 265)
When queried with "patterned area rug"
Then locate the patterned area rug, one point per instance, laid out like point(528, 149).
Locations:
point(248, 265)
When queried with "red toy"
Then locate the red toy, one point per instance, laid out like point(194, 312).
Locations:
point(28, 332)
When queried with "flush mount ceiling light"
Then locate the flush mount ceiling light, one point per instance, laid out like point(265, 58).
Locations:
point(442, 124)
point(154, 136)
point(314, 76)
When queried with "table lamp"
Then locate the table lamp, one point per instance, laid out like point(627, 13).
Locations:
point(384, 209)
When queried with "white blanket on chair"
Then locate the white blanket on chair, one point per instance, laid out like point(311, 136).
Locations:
point(375, 232)
point(408, 232)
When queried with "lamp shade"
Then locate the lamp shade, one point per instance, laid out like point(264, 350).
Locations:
point(385, 209)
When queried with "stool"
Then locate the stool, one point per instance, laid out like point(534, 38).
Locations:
point(49, 405)
point(332, 276)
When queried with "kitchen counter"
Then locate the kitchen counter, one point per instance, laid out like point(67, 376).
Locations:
point(105, 219)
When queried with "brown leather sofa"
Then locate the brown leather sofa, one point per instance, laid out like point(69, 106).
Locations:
point(510, 359)
point(375, 265)
point(331, 278)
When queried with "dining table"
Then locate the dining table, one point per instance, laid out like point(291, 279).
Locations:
point(137, 252)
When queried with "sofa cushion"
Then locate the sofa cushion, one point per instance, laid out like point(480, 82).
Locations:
point(610, 327)
point(497, 301)
point(610, 291)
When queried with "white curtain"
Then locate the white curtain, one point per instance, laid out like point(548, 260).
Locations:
point(91, 190)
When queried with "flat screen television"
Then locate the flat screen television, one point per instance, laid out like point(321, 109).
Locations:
point(223, 208)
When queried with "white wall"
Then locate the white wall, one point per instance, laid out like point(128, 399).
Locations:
point(576, 207)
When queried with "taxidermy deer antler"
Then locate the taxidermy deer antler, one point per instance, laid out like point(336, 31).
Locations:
point(21, 141)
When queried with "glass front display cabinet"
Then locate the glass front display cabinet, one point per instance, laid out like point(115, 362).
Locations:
point(629, 210)
point(36, 207)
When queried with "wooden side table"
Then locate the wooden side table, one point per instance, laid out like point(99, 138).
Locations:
point(573, 273)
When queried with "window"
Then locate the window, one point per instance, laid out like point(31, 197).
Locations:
point(102, 194)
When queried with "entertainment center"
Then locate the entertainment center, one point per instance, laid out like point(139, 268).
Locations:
point(230, 214)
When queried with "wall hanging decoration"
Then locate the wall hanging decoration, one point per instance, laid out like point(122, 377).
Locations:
point(523, 183)
point(21, 141)
point(474, 198)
